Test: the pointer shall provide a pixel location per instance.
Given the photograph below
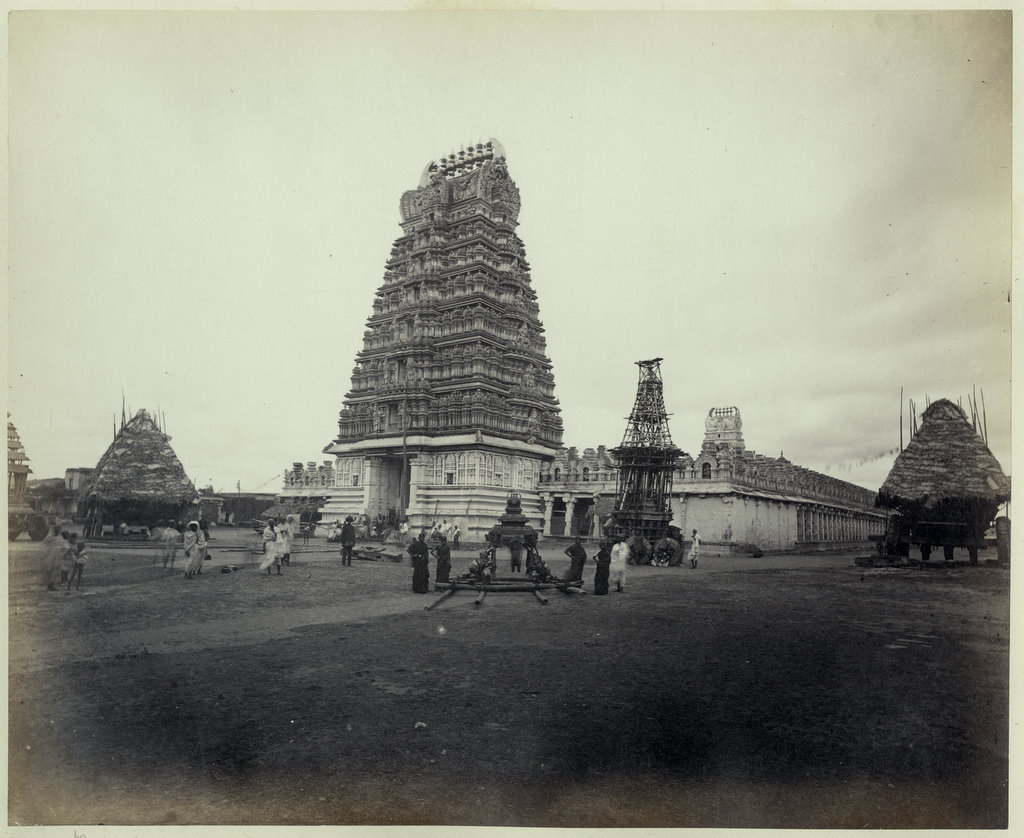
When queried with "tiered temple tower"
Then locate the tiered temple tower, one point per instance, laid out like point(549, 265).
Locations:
point(452, 402)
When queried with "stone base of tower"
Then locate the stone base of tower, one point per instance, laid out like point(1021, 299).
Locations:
point(460, 478)
point(341, 503)
point(475, 509)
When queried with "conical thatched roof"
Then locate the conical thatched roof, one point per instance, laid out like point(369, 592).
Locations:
point(945, 460)
point(140, 468)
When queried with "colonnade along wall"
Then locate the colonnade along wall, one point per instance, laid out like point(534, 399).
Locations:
point(733, 497)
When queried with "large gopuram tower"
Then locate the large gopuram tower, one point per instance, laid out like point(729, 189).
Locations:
point(452, 402)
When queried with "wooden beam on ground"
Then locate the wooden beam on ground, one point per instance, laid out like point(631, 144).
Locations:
point(499, 587)
point(543, 599)
point(440, 599)
point(480, 598)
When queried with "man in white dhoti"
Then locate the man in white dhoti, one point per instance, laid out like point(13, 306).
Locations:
point(617, 570)
point(270, 556)
point(694, 550)
point(285, 537)
point(195, 550)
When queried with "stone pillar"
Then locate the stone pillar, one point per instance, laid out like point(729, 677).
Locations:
point(373, 482)
point(548, 509)
point(598, 531)
point(1003, 540)
point(570, 510)
point(416, 478)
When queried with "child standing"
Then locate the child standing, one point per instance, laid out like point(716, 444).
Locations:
point(81, 553)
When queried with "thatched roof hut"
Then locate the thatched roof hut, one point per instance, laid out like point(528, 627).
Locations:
point(139, 479)
point(946, 472)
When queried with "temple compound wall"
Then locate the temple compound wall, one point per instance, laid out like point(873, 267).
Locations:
point(452, 400)
point(736, 499)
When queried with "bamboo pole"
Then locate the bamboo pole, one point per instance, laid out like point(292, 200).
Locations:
point(403, 481)
point(984, 417)
point(901, 419)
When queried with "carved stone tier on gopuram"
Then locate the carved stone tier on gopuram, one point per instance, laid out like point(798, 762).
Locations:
point(452, 403)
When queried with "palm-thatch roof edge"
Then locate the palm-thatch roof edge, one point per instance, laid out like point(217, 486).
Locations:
point(946, 459)
point(141, 468)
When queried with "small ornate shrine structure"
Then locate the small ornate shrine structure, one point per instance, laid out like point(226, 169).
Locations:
point(511, 526)
point(481, 577)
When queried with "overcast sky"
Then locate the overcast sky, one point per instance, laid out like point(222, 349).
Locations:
point(801, 213)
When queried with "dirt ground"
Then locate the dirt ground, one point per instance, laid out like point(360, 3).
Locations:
point(786, 691)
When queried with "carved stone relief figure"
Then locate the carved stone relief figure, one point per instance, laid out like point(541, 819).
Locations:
point(523, 335)
point(532, 426)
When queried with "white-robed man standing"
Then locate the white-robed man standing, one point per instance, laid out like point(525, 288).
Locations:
point(270, 556)
point(285, 537)
point(694, 549)
point(617, 569)
point(195, 550)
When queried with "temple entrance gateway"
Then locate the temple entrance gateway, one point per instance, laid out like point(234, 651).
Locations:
point(387, 488)
point(557, 517)
point(582, 518)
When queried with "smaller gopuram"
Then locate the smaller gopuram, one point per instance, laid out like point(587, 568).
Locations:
point(738, 499)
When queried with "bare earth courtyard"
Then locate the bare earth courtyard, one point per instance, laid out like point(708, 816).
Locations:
point(786, 691)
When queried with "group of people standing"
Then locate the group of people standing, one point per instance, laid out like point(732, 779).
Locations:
point(611, 558)
point(66, 556)
point(420, 553)
point(65, 559)
point(195, 542)
point(277, 544)
point(450, 531)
